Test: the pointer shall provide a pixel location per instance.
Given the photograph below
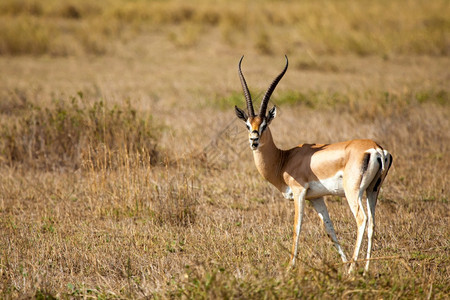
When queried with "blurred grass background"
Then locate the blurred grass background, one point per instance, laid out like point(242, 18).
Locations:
point(124, 173)
point(357, 27)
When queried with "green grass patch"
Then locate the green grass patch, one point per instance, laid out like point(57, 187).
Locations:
point(225, 103)
point(363, 105)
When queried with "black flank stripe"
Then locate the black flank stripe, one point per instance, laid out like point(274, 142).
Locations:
point(365, 163)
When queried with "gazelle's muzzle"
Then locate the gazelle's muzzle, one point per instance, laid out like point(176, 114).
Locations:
point(254, 139)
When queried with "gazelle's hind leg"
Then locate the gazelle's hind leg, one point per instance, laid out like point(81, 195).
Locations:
point(354, 199)
point(354, 186)
point(372, 195)
point(321, 209)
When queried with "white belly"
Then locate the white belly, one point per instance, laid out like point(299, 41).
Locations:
point(329, 186)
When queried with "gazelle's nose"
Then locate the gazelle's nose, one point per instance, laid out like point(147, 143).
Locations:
point(254, 135)
point(254, 139)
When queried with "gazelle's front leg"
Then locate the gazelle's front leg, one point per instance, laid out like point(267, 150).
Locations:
point(299, 202)
point(321, 209)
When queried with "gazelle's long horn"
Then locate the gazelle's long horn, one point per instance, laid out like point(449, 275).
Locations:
point(265, 100)
point(248, 97)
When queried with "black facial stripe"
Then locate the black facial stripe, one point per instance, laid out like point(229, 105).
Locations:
point(263, 127)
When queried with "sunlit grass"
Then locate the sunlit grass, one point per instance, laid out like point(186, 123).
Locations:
point(72, 132)
point(122, 226)
point(362, 28)
point(124, 172)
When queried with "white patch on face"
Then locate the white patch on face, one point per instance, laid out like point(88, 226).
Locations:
point(328, 186)
point(249, 126)
point(261, 127)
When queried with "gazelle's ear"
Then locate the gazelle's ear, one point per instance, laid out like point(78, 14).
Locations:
point(241, 114)
point(271, 115)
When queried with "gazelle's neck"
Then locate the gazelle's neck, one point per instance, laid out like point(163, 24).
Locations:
point(269, 160)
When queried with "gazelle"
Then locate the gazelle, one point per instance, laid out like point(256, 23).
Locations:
point(312, 171)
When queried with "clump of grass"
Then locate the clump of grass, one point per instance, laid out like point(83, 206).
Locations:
point(21, 7)
point(71, 131)
point(441, 97)
point(187, 36)
point(176, 203)
point(21, 35)
point(263, 42)
point(312, 63)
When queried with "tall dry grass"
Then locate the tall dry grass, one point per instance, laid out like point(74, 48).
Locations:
point(199, 228)
point(72, 132)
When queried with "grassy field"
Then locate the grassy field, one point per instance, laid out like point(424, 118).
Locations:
point(125, 174)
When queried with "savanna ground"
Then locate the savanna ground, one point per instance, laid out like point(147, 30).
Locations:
point(125, 174)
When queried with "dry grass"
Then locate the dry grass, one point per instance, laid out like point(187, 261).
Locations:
point(364, 27)
point(70, 133)
point(86, 210)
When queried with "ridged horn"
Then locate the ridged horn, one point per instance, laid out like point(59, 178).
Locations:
point(265, 100)
point(248, 97)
